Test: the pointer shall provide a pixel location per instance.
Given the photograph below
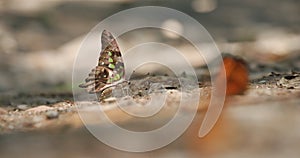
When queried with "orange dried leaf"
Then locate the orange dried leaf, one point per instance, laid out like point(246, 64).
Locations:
point(235, 74)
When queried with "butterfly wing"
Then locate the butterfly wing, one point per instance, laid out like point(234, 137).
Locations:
point(111, 57)
point(110, 68)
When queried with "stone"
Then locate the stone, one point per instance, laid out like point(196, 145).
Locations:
point(52, 114)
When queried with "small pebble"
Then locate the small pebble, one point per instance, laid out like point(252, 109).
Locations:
point(52, 114)
point(22, 107)
point(262, 82)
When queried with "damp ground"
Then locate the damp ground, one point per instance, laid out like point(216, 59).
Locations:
point(39, 118)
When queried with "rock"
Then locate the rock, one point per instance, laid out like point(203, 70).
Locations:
point(52, 114)
point(22, 107)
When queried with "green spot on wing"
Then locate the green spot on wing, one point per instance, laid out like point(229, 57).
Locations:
point(110, 80)
point(117, 77)
point(112, 66)
point(109, 53)
point(110, 60)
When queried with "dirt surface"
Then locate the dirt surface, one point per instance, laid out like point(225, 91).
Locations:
point(45, 110)
point(40, 118)
point(267, 113)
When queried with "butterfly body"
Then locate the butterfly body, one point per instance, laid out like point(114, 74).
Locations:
point(110, 69)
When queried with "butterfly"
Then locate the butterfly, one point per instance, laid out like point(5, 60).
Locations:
point(110, 69)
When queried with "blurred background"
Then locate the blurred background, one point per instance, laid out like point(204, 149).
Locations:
point(39, 39)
